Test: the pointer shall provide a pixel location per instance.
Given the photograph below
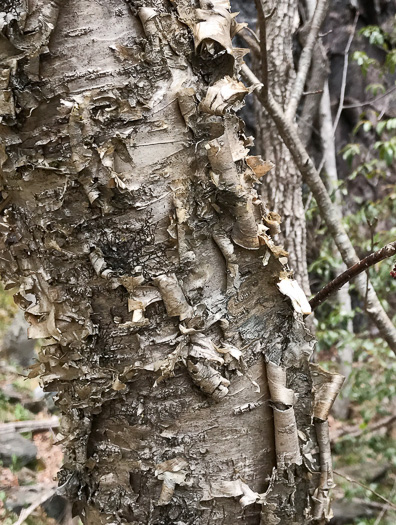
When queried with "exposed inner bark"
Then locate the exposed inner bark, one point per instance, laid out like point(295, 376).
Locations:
point(133, 218)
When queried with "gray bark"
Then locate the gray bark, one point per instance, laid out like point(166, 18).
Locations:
point(315, 81)
point(282, 186)
point(132, 217)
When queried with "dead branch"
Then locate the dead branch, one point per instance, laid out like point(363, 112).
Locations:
point(29, 426)
point(372, 101)
point(345, 73)
point(355, 430)
point(263, 43)
point(356, 482)
point(343, 85)
point(25, 513)
point(334, 285)
point(250, 37)
point(386, 508)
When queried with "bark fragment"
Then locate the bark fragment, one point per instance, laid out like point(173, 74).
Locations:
point(292, 289)
point(286, 435)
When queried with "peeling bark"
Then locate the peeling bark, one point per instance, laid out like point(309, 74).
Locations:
point(134, 221)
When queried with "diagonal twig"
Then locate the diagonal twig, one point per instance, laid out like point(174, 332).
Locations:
point(356, 431)
point(334, 285)
point(25, 513)
point(263, 43)
point(343, 85)
point(345, 73)
point(351, 480)
point(371, 101)
point(28, 426)
point(386, 508)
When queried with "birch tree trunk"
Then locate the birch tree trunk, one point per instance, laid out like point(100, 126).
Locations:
point(130, 214)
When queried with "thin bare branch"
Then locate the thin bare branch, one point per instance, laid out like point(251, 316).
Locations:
point(290, 137)
point(25, 513)
point(345, 73)
point(251, 40)
point(351, 480)
point(263, 44)
point(350, 273)
point(372, 101)
point(343, 85)
point(29, 426)
point(253, 34)
point(371, 504)
point(356, 431)
point(316, 92)
point(306, 58)
point(385, 509)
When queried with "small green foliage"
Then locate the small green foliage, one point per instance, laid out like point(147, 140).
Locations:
point(21, 413)
point(15, 464)
point(391, 124)
point(369, 170)
point(365, 124)
point(12, 412)
point(375, 89)
point(350, 151)
point(6, 517)
point(386, 150)
point(390, 61)
point(375, 35)
point(364, 61)
point(7, 308)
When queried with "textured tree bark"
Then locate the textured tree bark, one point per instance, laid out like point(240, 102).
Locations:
point(318, 74)
point(282, 186)
point(130, 214)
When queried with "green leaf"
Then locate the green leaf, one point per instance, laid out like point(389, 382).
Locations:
point(391, 124)
point(388, 155)
point(375, 35)
point(350, 151)
point(366, 124)
point(381, 126)
point(364, 61)
point(390, 61)
point(375, 89)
